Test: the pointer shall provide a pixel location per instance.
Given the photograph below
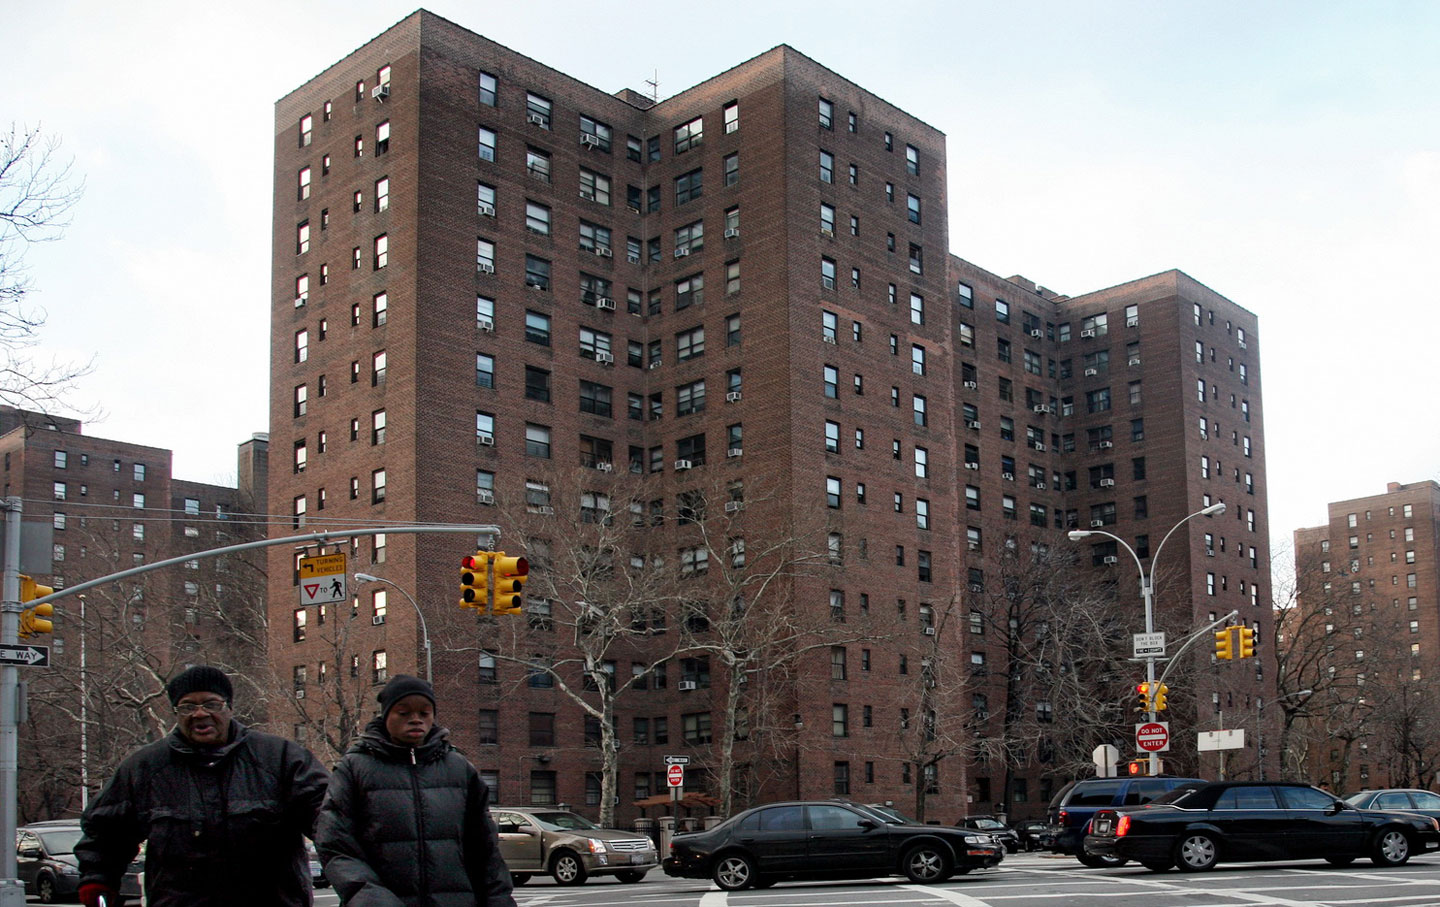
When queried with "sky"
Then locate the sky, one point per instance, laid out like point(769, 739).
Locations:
point(1285, 154)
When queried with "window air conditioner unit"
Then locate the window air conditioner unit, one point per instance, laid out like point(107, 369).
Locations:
point(484, 496)
point(972, 385)
point(973, 423)
point(380, 92)
point(972, 465)
point(830, 234)
point(1134, 360)
point(734, 451)
point(1040, 485)
point(1044, 408)
point(589, 140)
point(483, 268)
point(1008, 476)
point(299, 694)
point(1112, 559)
point(604, 467)
point(1106, 445)
point(1096, 524)
point(973, 545)
point(929, 631)
point(486, 210)
point(733, 506)
point(976, 587)
point(681, 253)
point(682, 465)
point(1091, 372)
point(605, 302)
point(299, 302)
point(1088, 332)
point(1038, 445)
point(545, 509)
point(732, 397)
point(536, 119)
point(655, 364)
point(633, 259)
point(734, 233)
point(686, 686)
point(1209, 552)
point(604, 252)
point(827, 338)
point(486, 440)
point(1107, 483)
point(377, 620)
point(1243, 346)
point(1037, 333)
point(604, 358)
point(485, 324)
point(1132, 322)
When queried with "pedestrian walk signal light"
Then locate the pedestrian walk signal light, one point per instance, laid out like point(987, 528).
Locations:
point(511, 573)
point(1136, 766)
point(1224, 649)
point(36, 620)
point(1246, 648)
point(475, 581)
point(1160, 692)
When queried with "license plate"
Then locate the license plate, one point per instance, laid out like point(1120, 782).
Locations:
point(1102, 827)
point(639, 858)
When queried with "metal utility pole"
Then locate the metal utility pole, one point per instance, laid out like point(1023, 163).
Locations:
point(12, 890)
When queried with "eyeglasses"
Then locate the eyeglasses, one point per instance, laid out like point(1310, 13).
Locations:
point(212, 706)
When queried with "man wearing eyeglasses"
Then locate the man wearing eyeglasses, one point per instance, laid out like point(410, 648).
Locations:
point(224, 808)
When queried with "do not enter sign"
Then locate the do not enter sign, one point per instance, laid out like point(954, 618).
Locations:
point(1152, 737)
point(675, 776)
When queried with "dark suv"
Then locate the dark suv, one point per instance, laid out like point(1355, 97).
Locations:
point(1071, 809)
point(45, 860)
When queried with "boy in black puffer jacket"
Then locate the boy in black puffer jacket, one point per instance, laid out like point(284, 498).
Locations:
point(406, 822)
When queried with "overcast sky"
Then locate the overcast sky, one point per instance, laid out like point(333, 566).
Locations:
point(1286, 154)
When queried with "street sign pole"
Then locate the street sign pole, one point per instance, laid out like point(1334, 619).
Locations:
point(12, 890)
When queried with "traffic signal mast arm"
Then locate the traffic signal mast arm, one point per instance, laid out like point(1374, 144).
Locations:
point(1202, 633)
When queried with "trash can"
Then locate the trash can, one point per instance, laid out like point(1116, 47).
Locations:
point(650, 829)
point(688, 824)
point(667, 831)
point(709, 822)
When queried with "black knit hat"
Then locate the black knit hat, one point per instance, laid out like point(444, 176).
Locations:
point(400, 686)
point(200, 678)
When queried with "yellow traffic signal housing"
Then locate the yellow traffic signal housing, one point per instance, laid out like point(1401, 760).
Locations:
point(36, 620)
point(511, 574)
point(31, 590)
point(1144, 690)
point(1247, 643)
point(1223, 644)
point(1159, 704)
point(475, 581)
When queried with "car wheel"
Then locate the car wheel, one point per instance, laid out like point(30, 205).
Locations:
point(1196, 853)
point(1095, 861)
point(1157, 865)
point(1339, 861)
point(925, 863)
point(519, 878)
point(1392, 848)
point(630, 876)
point(567, 869)
point(734, 872)
point(45, 887)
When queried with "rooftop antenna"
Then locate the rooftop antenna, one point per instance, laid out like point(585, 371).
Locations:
point(654, 87)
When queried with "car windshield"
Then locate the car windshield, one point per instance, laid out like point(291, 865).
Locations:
point(985, 823)
point(61, 840)
point(558, 821)
point(1357, 799)
point(891, 815)
point(1171, 797)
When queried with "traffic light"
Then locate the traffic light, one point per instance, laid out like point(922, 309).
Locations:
point(1223, 644)
point(1136, 767)
point(1160, 691)
point(510, 576)
point(1144, 690)
point(36, 620)
point(1247, 643)
point(475, 581)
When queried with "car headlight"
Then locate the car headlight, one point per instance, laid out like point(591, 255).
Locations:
point(597, 845)
point(68, 870)
point(979, 839)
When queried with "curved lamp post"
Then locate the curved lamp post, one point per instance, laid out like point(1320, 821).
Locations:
point(1147, 592)
point(424, 632)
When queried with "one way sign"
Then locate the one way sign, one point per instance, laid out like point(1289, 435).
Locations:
point(34, 656)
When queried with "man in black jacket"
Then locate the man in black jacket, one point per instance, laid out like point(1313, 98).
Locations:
point(224, 809)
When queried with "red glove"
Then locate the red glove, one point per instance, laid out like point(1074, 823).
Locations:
point(91, 894)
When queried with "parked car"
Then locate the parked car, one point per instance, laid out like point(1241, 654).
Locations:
point(825, 839)
point(46, 863)
point(317, 870)
point(569, 847)
point(1424, 802)
point(993, 827)
point(1070, 809)
point(1257, 820)
point(1036, 834)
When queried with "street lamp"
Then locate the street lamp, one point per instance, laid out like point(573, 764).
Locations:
point(1260, 729)
point(424, 632)
point(1147, 593)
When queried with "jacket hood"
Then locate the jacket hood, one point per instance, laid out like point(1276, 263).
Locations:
point(375, 741)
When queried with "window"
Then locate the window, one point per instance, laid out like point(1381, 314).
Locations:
point(537, 110)
point(537, 218)
point(537, 328)
point(917, 308)
point(689, 239)
point(690, 398)
point(689, 291)
point(832, 382)
point(827, 273)
point(488, 87)
point(487, 144)
point(912, 204)
point(827, 114)
point(377, 486)
point(594, 133)
point(537, 164)
point(689, 186)
point(302, 238)
point(690, 344)
point(537, 272)
point(537, 441)
point(687, 136)
point(382, 140)
point(732, 169)
point(912, 160)
point(377, 427)
point(922, 463)
point(732, 117)
point(594, 187)
point(827, 167)
point(382, 251)
point(827, 219)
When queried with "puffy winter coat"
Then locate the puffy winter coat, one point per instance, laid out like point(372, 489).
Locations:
point(410, 827)
point(225, 825)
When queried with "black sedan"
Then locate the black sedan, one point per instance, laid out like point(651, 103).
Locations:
point(823, 840)
point(992, 826)
point(1410, 800)
point(1248, 820)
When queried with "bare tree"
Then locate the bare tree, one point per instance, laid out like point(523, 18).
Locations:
point(937, 721)
point(37, 194)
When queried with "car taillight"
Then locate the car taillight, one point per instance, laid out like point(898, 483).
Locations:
point(1122, 827)
point(1062, 816)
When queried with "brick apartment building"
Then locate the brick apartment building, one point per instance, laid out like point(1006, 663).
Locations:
point(111, 506)
point(485, 269)
point(1364, 638)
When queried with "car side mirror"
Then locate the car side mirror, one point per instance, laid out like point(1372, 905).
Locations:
point(868, 824)
point(30, 852)
point(1336, 807)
